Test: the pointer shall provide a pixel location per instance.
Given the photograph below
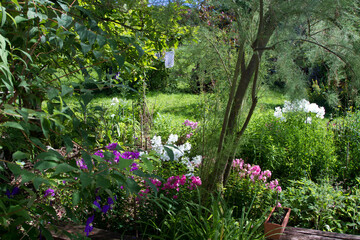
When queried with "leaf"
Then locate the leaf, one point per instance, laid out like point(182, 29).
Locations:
point(63, 6)
point(47, 234)
point(65, 20)
point(15, 169)
point(13, 125)
point(81, 30)
point(50, 155)
point(101, 40)
point(76, 198)
point(45, 126)
point(147, 165)
point(18, 155)
point(52, 93)
point(38, 181)
point(38, 142)
point(68, 143)
point(102, 182)
point(3, 13)
point(85, 48)
point(120, 60)
point(170, 152)
point(65, 90)
point(85, 179)
point(124, 163)
point(87, 160)
point(63, 168)
point(91, 36)
point(24, 114)
point(27, 176)
point(42, 165)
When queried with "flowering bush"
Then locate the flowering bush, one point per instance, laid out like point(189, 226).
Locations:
point(300, 106)
point(292, 142)
point(247, 182)
point(177, 154)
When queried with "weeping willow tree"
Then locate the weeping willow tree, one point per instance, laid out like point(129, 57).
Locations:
point(279, 27)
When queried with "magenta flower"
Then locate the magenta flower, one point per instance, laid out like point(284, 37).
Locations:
point(111, 146)
point(81, 164)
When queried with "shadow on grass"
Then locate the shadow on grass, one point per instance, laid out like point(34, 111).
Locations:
point(191, 111)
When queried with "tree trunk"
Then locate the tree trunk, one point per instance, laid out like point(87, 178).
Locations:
point(226, 148)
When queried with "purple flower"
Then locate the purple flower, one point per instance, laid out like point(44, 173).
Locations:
point(12, 193)
point(134, 167)
point(111, 146)
point(89, 227)
point(97, 204)
point(130, 155)
point(105, 208)
point(81, 164)
point(110, 201)
point(99, 153)
point(49, 192)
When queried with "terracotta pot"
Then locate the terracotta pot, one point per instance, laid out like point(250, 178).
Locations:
point(274, 231)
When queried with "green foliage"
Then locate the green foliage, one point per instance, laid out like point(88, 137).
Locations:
point(347, 142)
point(322, 206)
point(291, 149)
point(242, 192)
point(194, 221)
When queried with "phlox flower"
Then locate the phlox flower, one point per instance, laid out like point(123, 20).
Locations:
point(112, 146)
point(81, 164)
point(173, 138)
point(50, 192)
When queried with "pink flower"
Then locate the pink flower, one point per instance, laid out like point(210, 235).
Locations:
point(278, 188)
point(278, 204)
point(267, 173)
point(255, 170)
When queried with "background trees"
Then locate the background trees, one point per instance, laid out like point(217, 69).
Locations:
point(280, 27)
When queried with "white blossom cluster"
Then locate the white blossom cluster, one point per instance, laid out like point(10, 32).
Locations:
point(179, 152)
point(300, 106)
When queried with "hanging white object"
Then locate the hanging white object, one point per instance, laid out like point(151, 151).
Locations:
point(169, 59)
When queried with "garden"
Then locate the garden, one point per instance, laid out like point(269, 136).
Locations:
point(178, 119)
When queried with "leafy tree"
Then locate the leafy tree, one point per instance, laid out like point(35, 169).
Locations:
point(273, 25)
point(42, 43)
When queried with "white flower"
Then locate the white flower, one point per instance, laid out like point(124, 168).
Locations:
point(186, 147)
point(197, 160)
point(156, 141)
point(114, 101)
point(172, 139)
point(112, 115)
point(278, 113)
point(308, 120)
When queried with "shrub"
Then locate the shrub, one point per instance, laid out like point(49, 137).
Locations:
point(347, 141)
point(292, 143)
point(248, 185)
point(323, 207)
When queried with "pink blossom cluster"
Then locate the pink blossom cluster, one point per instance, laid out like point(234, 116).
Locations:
point(173, 182)
point(255, 174)
point(191, 124)
point(195, 181)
